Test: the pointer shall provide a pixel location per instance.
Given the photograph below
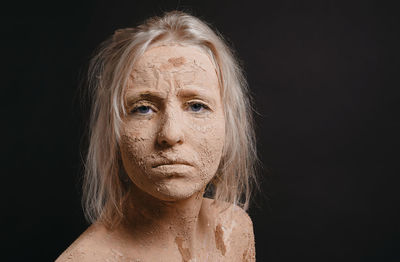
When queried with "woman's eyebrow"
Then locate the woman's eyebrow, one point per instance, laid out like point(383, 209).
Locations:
point(133, 97)
point(196, 93)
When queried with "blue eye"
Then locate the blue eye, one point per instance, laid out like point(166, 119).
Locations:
point(142, 110)
point(196, 107)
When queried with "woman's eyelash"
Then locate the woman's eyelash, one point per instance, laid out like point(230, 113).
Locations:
point(197, 106)
point(143, 109)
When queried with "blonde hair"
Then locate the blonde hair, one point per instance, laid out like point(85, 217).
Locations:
point(104, 189)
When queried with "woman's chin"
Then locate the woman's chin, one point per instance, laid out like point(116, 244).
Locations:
point(176, 190)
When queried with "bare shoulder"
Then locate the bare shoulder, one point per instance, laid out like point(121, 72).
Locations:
point(233, 230)
point(229, 215)
point(91, 245)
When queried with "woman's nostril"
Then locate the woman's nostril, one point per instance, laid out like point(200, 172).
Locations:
point(170, 137)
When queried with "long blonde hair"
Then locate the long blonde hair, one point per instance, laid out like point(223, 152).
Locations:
point(104, 190)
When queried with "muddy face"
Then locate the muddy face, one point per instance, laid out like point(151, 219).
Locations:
point(173, 135)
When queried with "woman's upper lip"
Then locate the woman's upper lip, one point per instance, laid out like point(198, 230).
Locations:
point(169, 162)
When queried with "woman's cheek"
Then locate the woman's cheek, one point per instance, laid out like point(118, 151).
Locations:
point(134, 144)
point(210, 150)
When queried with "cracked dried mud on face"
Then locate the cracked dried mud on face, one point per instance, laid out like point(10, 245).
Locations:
point(177, 61)
point(169, 79)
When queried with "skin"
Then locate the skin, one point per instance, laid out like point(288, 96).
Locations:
point(172, 138)
point(171, 144)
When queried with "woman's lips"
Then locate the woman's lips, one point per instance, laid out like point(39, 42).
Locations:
point(172, 169)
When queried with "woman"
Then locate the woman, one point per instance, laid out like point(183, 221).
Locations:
point(170, 122)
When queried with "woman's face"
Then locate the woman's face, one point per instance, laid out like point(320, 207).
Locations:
point(173, 134)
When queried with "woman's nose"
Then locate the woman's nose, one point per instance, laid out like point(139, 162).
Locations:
point(171, 130)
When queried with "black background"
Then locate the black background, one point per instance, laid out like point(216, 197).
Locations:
point(324, 76)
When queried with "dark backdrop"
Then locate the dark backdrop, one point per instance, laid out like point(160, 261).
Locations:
point(324, 75)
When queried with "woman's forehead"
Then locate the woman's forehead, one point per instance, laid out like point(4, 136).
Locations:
point(183, 65)
point(173, 55)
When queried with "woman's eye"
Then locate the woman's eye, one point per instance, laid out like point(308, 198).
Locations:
point(197, 107)
point(143, 110)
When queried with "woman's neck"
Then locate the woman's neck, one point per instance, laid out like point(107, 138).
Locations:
point(182, 223)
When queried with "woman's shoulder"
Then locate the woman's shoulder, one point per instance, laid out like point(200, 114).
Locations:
point(91, 245)
point(233, 229)
point(228, 214)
